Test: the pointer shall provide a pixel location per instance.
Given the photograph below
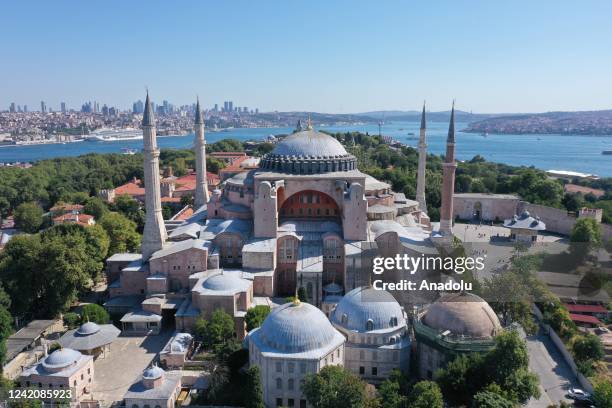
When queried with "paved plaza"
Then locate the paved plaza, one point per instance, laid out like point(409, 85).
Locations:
point(128, 357)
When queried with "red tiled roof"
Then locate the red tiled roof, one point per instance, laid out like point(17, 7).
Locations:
point(133, 188)
point(186, 182)
point(185, 214)
point(579, 318)
point(171, 199)
point(82, 219)
point(585, 308)
point(67, 207)
point(575, 188)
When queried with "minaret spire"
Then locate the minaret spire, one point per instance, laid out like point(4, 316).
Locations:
point(448, 183)
point(154, 235)
point(201, 193)
point(420, 191)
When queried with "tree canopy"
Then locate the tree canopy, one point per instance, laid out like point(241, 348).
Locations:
point(335, 386)
point(28, 217)
point(255, 316)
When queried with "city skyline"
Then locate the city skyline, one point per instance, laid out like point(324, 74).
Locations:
point(387, 56)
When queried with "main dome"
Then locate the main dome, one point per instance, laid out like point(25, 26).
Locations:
point(296, 328)
point(363, 307)
point(463, 314)
point(309, 152)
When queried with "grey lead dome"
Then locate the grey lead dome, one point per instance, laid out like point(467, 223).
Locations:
point(309, 152)
point(363, 305)
point(295, 328)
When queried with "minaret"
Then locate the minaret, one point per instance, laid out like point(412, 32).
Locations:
point(448, 183)
point(201, 192)
point(154, 234)
point(420, 191)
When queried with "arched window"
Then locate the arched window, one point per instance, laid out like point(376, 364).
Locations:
point(279, 383)
point(393, 321)
point(344, 318)
point(370, 325)
point(290, 384)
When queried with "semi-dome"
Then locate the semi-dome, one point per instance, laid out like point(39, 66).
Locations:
point(226, 282)
point(366, 309)
point(88, 328)
point(61, 358)
point(463, 314)
point(309, 152)
point(296, 328)
point(153, 373)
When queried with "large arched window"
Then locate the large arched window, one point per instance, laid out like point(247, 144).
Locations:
point(279, 383)
point(309, 203)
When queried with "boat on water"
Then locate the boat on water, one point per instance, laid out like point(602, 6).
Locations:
point(111, 135)
point(128, 151)
point(607, 152)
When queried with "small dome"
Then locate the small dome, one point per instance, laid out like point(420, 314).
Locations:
point(463, 314)
point(226, 282)
point(61, 358)
point(366, 309)
point(295, 328)
point(332, 288)
point(181, 342)
point(153, 373)
point(88, 328)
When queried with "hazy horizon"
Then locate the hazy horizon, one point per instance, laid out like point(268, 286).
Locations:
point(330, 57)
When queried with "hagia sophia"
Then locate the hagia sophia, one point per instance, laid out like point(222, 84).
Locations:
point(306, 219)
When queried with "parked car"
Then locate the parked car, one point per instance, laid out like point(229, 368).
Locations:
point(602, 330)
point(578, 394)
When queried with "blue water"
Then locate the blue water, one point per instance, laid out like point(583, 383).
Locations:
point(559, 152)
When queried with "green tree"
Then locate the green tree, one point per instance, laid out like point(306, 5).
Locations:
point(588, 347)
point(255, 316)
point(253, 397)
point(488, 399)
point(602, 394)
point(213, 164)
point(6, 329)
point(389, 395)
point(71, 320)
point(96, 207)
point(584, 237)
point(426, 394)
point(187, 199)
point(28, 217)
point(94, 313)
point(122, 233)
point(130, 208)
point(217, 330)
point(508, 294)
point(333, 387)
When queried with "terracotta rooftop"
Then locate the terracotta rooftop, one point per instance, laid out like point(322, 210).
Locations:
point(579, 318)
point(67, 207)
point(133, 188)
point(572, 308)
point(82, 219)
point(575, 188)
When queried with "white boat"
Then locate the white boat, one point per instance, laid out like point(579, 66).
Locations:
point(111, 135)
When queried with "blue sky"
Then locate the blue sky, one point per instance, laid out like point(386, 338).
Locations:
point(326, 56)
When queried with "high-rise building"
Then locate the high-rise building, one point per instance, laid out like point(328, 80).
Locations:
point(216, 108)
point(105, 110)
point(226, 106)
point(63, 107)
point(12, 107)
point(138, 107)
point(25, 108)
point(230, 106)
point(43, 107)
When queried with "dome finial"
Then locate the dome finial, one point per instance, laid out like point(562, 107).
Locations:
point(296, 298)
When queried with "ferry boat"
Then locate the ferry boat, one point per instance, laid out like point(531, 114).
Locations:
point(128, 151)
point(111, 135)
point(607, 152)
